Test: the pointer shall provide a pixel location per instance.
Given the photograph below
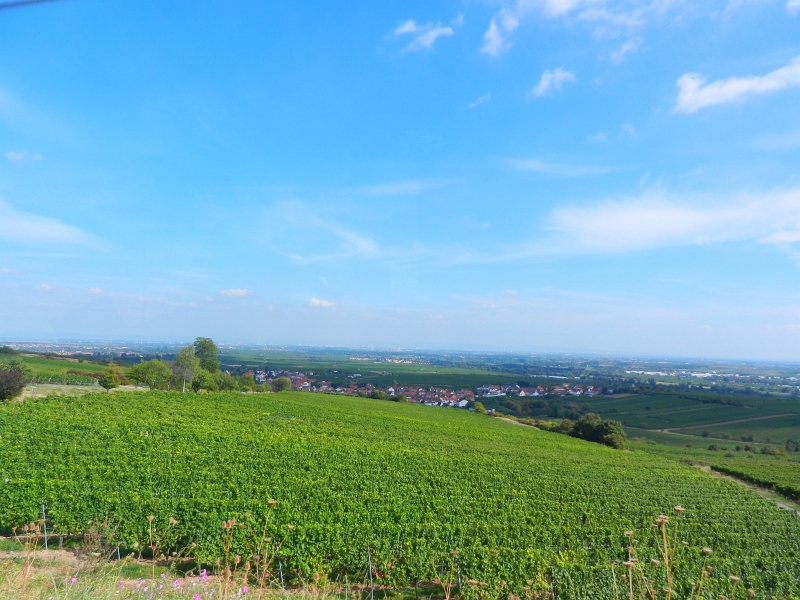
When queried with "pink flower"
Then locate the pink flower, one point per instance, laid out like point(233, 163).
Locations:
point(150, 597)
point(177, 583)
point(196, 597)
point(203, 575)
point(73, 580)
point(245, 589)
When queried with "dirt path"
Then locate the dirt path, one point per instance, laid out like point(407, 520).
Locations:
point(731, 422)
point(771, 495)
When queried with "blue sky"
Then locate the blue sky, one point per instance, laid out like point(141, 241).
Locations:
point(543, 175)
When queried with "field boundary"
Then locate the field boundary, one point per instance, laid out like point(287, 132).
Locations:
point(764, 418)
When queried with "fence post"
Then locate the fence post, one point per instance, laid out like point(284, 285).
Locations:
point(371, 585)
point(44, 524)
point(280, 565)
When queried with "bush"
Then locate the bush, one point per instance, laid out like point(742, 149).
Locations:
point(281, 384)
point(377, 395)
point(479, 408)
point(593, 428)
point(203, 380)
point(11, 384)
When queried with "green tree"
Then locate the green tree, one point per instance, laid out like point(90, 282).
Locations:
point(16, 364)
point(377, 395)
point(225, 382)
point(206, 351)
point(591, 427)
point(186, 365)
point(203, 380)
point(110, 378)
point(399, 398)
point(480, 408)
point(11, 384)
point(151, 373)
point(281, 384)
point(246, 382)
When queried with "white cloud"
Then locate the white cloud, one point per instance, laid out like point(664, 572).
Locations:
point(27, 228)
point(538, 166)
point(21, 157)
point(630, 130)
point(509, 292)
point(425, 36)
point(236, 293)
point(404, 188)
point(630, 46)
point(793, 7)
point(494, 43)
point(7, 271)
point(694, 94)
point(96, 291)
point(483, 99)
point(661, 221)
point(317, 302)
point(551, 81)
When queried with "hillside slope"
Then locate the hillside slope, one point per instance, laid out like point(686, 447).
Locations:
point(413, 482)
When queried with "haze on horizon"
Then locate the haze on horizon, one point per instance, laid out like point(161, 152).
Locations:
point(597, 176)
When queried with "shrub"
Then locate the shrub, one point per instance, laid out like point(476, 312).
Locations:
point(281, 384)
point(11, 384)
point(377, 395)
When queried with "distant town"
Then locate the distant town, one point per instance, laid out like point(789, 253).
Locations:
point(433, 396)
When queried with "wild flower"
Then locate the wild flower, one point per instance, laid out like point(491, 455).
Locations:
point(203, 575)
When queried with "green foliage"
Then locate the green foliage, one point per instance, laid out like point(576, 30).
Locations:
point(11, 384)
point(186, 365)
point(111, 377)
point(206, 352)
point(593, 428)
point(7, 350)
point(281, 384)
point(18, 365)
point(377, 395)
point(399, 398)
point(414, 483)
point(203, 380)
point(479, 408)
point(152, 373)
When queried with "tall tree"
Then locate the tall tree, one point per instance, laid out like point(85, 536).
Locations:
point(206, 351)
point(11, 384)
point(186, 365)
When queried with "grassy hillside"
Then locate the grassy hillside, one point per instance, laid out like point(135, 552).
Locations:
point(414, 483)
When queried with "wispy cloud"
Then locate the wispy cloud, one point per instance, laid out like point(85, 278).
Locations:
point(694, 93)
point(552, 81)
point(96, 291)
point(21, 157)
point(494, 41)
point(27, 228)
point(661, 221)
point(406, 187)
point(630, 46)
point(482, 100)
point(793, 7)
point(236, 293)
point(537, 166)
point(319, 303)
point(425, 36)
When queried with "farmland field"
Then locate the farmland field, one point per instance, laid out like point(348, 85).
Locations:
point(380, 374)
point(412, 482)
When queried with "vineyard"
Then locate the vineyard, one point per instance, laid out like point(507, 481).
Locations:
point(410, 482)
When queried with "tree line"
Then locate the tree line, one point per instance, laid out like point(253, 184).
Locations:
point(195, 365)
